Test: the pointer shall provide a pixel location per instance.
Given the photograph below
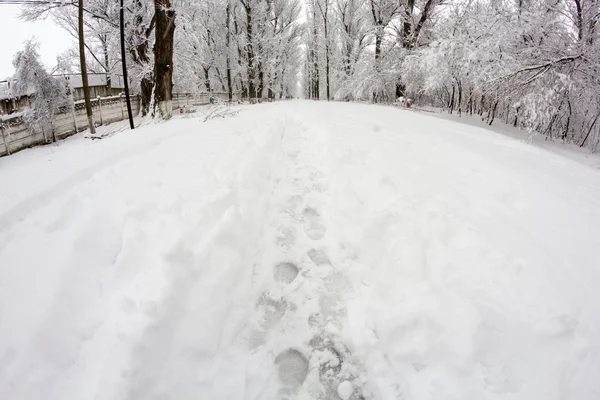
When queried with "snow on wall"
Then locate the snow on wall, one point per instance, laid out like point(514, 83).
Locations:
point(18, 136)
point(106, 110)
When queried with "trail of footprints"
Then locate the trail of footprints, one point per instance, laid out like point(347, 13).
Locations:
point(336, 370)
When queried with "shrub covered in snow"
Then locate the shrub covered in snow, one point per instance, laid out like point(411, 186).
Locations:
point(48, 94)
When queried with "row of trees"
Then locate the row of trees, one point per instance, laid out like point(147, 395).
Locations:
point(150, 25)
point(533, 63)
point(186, 45)
point(356, 48)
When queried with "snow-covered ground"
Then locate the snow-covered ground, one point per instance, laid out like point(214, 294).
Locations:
point(299, 250)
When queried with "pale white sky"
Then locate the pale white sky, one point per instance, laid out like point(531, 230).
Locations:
point(53, 40)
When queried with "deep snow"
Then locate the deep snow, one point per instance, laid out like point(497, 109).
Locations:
point(299, 250)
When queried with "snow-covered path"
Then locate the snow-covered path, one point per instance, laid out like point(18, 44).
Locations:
point(300, 250)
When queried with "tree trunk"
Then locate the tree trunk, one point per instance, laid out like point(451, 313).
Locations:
point(378, 40)
point(589, 130)
point(566, 131)
point(228, 55)
point(84, 77)
point(493, 113)
point(481, 106)
point(207, 79)
point(146, 86)
point(236, 31)
point(107, 65)
point(327, 70)
point(261, 81)
point(325, 16)
point(315, 59)
point(139, 54)
point(406, 26)
point(163, 57)
point(470, 103)
point(459, 106)
point(250, 54)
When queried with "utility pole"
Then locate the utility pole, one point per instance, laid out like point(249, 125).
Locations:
point(124, 63)
point(84, 77)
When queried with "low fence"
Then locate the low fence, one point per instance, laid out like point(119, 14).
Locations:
point(15, 135)
point(189, 99)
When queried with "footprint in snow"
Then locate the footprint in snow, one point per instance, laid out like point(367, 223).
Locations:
point(336, 369)
point(319, 188)
point(319, 257)
point(313, 224)
point(286, 237)
point(271, 311)
point(293, 368)
point(285, 272)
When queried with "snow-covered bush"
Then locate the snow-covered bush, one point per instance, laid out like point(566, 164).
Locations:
point(47, 94)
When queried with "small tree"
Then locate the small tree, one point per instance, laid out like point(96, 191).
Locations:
point(47, 93)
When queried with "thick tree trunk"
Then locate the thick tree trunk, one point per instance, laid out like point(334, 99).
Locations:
point(207, 79)
point(250, 54)
point(163, 57)
point(146, 86)
point(378, 40)
point(407, 25)
point(140, 57)
point(84, 77)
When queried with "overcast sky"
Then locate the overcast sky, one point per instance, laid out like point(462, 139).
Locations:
point(53, 39)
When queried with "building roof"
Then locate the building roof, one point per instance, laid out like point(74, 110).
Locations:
point(4, 90)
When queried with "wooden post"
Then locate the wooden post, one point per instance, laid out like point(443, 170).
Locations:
point(74, 119)
point(5, 143)
point(122, 110)
point(53, 131)
point(100, 110)
point(44, 133)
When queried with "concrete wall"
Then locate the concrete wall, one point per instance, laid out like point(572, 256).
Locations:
point(15, 134)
